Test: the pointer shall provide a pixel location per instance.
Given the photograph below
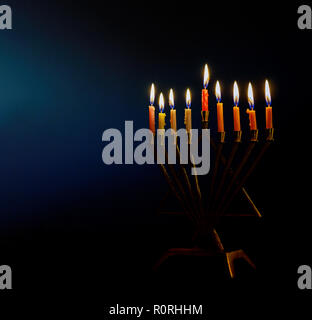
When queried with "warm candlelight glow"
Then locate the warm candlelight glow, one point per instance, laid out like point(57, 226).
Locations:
point(267, 93)
point(206, 77)
point(218, 92)
point(235, 93)
point(152, 95)
point(171, 99)
point(188, 98)
point(161, 102)
point(250, 97)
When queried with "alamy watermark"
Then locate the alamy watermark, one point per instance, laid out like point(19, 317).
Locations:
point(149, 151)
point(5, 277)
point(5, 17)
point(305, 19)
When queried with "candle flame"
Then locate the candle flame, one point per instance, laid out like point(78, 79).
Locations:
point(267, 93)
point(250, 96)
point(171, 99)
point(235, 93)
point(152, 95)
point(161, 103)
point(218, 91)
point(188, 98)
point(206, 76)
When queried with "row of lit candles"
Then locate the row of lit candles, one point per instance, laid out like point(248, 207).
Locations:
point(188, 115)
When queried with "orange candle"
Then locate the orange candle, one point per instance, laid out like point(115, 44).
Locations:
point(205, 91)
point(173, 115)
point(219, 109)
point(152, 110)
point(236, 114)
point(251, 111)
point(268, 109)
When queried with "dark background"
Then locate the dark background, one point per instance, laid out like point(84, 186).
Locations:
point(80, 235)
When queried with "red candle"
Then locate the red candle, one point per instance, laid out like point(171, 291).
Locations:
point(205, 91)
point(268, 109)
point(152, 110)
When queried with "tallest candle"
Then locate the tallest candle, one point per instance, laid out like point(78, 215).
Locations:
point(205, 91)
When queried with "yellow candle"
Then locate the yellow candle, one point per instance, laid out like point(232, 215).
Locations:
point(152, 110)
point(188, 112)
point(251, 111)
point(173, 115)
point(219, 109)
point(236, 114)
point(268, 109)
point(161, 115)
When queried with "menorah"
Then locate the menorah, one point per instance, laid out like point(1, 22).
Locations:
point(226, 179)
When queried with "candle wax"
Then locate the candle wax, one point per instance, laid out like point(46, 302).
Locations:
point(152, 119)
point(268, 117)
point(204, 100)
point(252, 119)
point(161, 120)
point(236, 117)
point(173, 119)
point(220, 117)
point(188, 120)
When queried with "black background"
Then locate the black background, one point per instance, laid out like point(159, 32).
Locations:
point(80, 235)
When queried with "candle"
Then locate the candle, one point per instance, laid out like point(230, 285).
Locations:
point(173, 116)
point(188, 112)
point(152, 110)
point(161, 115)
point(251, 111)
point(268, 109)
point(205, 91)
point(219, 108)
point(236, 115)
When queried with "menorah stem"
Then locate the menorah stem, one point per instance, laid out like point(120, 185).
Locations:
point(207, 237)
point(183, 201)
point(248, 173)
point(196, 182)
point(196, 204)
point(236, 174)
point(180, 187)
point(226, 169)
point(214, 173)
point(230, 171)
point(175, 192)
point(218, 240)
point(178, 183)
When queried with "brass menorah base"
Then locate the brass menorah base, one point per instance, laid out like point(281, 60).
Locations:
point(205, 216)
point(230, 257)
point(208, 244)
